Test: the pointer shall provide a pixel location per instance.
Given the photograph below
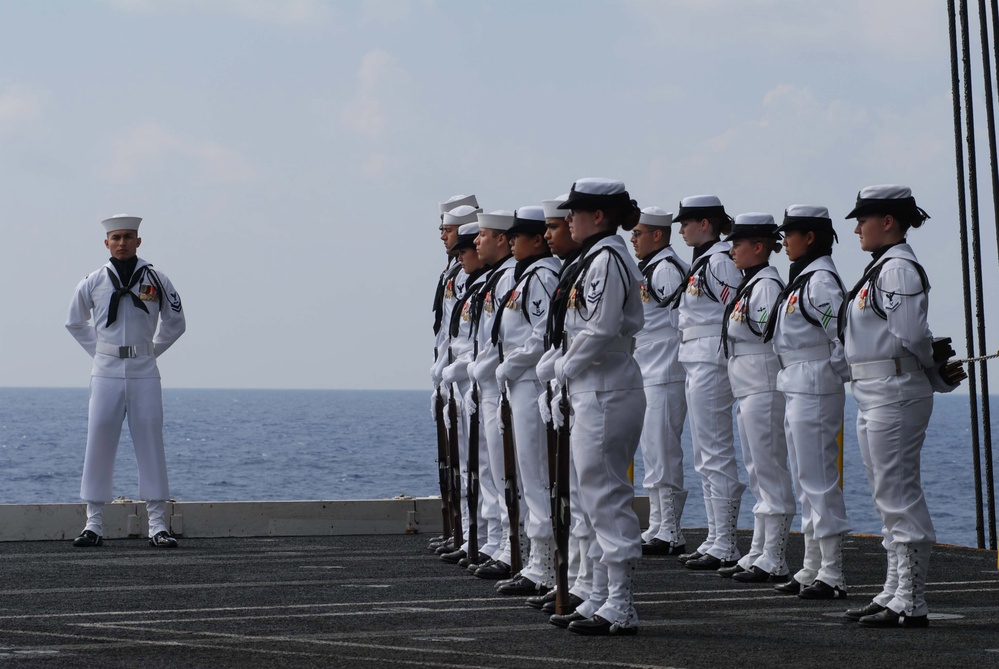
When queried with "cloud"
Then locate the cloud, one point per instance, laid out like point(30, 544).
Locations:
point(150, 147)
point(286, 12)
point(380, 80)
point(17, 105)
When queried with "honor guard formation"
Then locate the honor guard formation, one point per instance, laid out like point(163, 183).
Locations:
point(557, 356)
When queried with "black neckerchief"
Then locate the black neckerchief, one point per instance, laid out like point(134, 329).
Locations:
point(871, 275)
point(447, 275)
point(748, 274)
point(495, 274)
point(569, 258)
point(522, 265)
point(703, 248)
point(123, 286)
point(644, 262)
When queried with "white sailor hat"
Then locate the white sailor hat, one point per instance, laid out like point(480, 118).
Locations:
point(889, 199)
point(528, 220)
point(592, 193)
point(121, 222)
point(466, 237)
point(754, 225)
point(553, 207)
point(655, 217)
point(457, 201)
point(500, 220)
point(460, 215)
point(700, 206)
point(807, 217)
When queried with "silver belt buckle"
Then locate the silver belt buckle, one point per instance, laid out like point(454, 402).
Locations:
point(126, 352)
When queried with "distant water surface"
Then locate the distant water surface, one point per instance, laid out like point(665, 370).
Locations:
point(229, 445)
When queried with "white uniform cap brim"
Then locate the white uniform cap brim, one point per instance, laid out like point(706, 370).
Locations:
point(531, 213)
point(552, 209)
point(753, 218)
point(457, 201)
point(496, 220)
point(469, 229)
point(885, 192)
point(461, 215)
point(807, 211)
point(655, 217)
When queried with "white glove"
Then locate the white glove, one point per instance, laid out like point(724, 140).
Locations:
point(470, 370)
point(435, 374)
point(546, 412)
point(557, 410)
point(560, 371)
point(451, 373)
point(499, 418)
point(433, 405)
point(470, 407)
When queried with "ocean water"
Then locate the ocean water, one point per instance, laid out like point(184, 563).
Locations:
point(232, 445)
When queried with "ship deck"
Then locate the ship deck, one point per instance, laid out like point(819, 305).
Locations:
point(385, 601)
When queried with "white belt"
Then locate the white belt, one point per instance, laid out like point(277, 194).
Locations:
point(700, 331)
point(789, 358)
point(616, 345)
point(882, 368)
point(749, 348)
point(133, 351)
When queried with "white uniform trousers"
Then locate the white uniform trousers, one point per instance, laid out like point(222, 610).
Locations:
point(112, 401)
point(531, 440)
point(665, 411)
point(709, 408)
point(488, 514)
point(760, 418)
point(580, 537)
point(491, 449)
point(604, 439)
point(891, 440)
point(811, 425)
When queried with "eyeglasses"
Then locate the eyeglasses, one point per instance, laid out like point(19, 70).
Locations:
point(638, 233)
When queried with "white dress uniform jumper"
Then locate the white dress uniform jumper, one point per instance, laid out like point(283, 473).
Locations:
point(125, 327)
point(657, 348)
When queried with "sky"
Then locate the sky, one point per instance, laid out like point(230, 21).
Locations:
point(288, 156)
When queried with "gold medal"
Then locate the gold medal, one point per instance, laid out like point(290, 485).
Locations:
point(645, 293)
point(487, 304)
point(862, 300)
point(512, 302)
point(572, 299)
point(790, 304)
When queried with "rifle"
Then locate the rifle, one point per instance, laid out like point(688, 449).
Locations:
point(442, 462)
point(510, 470)
point(563, 515)
point(454, 465)
point(552, 435)
point(473, 476)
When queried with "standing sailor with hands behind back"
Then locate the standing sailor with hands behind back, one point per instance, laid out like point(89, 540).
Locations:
point(895, 367)
point(656, 349)
point(114, 316)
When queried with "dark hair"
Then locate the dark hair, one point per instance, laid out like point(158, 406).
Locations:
point(721, 225)
point(623, 216)
point(823, 244)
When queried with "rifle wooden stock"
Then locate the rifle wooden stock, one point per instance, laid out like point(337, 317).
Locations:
point(442, 463)
point(512, 495)
point(473, 475)
point(454, 467)
point(563, 516)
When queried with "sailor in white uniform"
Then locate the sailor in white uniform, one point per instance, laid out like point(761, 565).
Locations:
point(656, 349)
point(608, 402)
point(451, 368)
point(449, 289)
point(580, 565)
point(493, 246)
point(125, 315)
point(710, 287)
point(813, 371)
point(519, 327)
point(752, 369)
point(895, 368)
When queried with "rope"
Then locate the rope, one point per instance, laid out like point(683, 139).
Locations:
point(976, 359)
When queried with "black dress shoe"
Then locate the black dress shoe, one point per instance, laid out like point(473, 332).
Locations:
point(550, 607)
point(454, 557)
point(730, 572)
point(477, 559)
point(889, 618)
point(708, 563)
point(660, 547)
point(791, 587)
point(598, 626)
point(683, 558)
point(446, 547)
point(538, 601)
point(88, 539)
point(566, 620)
point(821, 590)
point(752, 575)
point(521, 586)
point(162, 539)
point(869, 610)
point(493, 570)
point(435, 542)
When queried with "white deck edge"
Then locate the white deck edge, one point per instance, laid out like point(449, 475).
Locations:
point(126, 518)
